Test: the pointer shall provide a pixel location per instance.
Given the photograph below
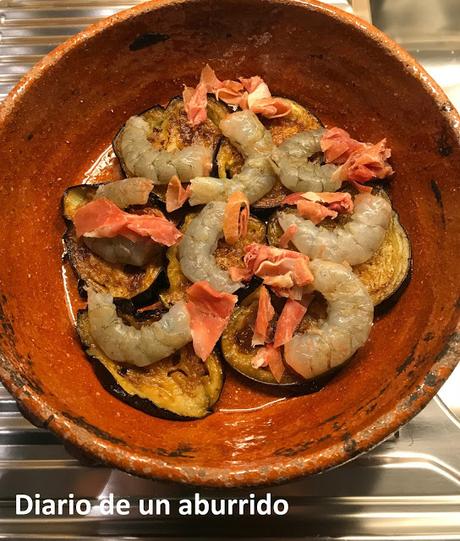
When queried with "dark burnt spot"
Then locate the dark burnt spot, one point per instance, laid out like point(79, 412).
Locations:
point(292, 451)
point(48, 421)
point(349, 444)
point(407, 361)
point(183, 451)
point(147, 40)
point(318, 56)
point(329, 420)
point(437, 194)
point(447, 108)
point(371, 408)
point(451, 346)
point(83, 423)
point(444, 145)
point(457, 304)
point(30, 136)
point(414, 396)
point(428, 337)
point(431, 380)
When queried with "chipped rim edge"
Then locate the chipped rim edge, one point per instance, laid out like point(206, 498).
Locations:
point(145, 465)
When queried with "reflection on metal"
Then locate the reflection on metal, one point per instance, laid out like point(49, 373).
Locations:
point(409, 487)
point(362, 9)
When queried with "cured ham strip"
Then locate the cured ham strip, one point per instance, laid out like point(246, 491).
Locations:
point(238, 274)
point(176, 194)
point(368, 163)
point(314, 212)
point(248, 93)
point(338, 146)
point(209, 312)
point(279, 269)
point(318, 206)
point(290, 318)
point(271, 357)
point(103, 219)
point(260, 100)
point(236, 218)
point(195, 103)
point(287, 236)
point(265, 313)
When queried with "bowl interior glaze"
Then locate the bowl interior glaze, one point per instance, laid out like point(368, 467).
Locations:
point(65, 113)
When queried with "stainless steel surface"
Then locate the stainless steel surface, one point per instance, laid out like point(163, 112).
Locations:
point(408, 488)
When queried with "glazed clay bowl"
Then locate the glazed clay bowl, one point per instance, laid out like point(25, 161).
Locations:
point(60, 118)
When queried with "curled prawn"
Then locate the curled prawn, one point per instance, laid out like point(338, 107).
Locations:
point(257, 177)
point(197, 247)
point(141, 347)
point(355, 242)
point(143, 160)
point(126, 192)
point(347, 327)
point(296, 172)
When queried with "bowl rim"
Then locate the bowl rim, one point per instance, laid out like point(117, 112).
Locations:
point(99, 446)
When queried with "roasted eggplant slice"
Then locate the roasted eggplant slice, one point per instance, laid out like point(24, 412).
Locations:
point(170, 130)
point(226, 256)
point(386, 271)
point(389, 268)
point(238, 351)
point(230, 161)
point(180, 387)
point(121, 281)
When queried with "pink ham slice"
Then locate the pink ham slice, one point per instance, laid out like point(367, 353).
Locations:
point(176, 194)
point(209, 312)
point(285, 271)
point(195, 102)
point(318, 206)
point(250, 93)
point(337, 145)
point(367, 163)
point(265, 313)
point(289, 320)
point(288, 235)
point(271, 357)
point(236, 218)
point(103, 219)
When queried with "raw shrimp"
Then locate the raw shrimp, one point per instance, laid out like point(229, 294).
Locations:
point(141, 347)
point(295, 170)
point(247, 133)
point(355, 242)
point(142, 159)
point(126, 192)
point(124, 251)
point(257, 177)
point(198, 245)
point(346, 328)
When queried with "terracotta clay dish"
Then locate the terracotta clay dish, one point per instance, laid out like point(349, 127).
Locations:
point(225, 419)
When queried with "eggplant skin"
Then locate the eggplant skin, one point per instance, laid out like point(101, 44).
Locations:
point(180, 387)
point(230, 161)
point(171, 130)
point(226, 257)
point(121, 281)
